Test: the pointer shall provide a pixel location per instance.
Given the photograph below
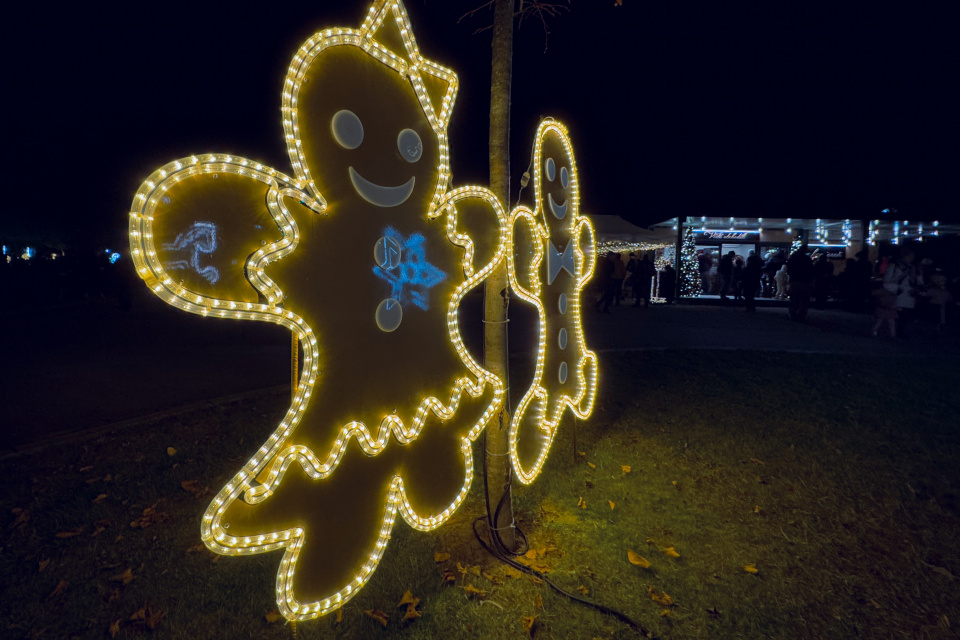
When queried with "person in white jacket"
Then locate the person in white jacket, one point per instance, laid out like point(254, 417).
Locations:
point(781, 279)
point(905, 280)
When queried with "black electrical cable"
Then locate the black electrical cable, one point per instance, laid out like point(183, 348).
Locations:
point(498, 550)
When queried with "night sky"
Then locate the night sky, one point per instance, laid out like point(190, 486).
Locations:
point(777, 109)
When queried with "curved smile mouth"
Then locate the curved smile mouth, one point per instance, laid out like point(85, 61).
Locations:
point(559, 210)
point(378, 195)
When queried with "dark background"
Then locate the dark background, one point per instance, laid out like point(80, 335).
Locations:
point(801, 109)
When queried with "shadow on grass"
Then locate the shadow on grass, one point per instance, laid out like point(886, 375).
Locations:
point(834, 477)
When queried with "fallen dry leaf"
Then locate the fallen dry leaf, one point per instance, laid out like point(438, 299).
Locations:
point(513, 572)
point(150, 517)
point(377, 615)
point(100, 498)
point(612, 504)
point(475, 570)
point(473, 591)
point(272, 616)
point(757, 461)
point(60, 588)
point(670, 552)
point(411, 613)
point(99, 527)
point(749, 568)
point(492, 578)
point(85, 469)
point(582, 589)
point(114, 628)
point(531, 555)
point(171, 451)
point(126, 577)
point(637, 559)
point(582, 503)
point(538, 601)
point(154, 618)
point(756, 508)
point(591, 465)
point(23, 516)
point(582, 453)
point(44, 563)
point(529, 622)
point(941, 570)
point(625, 467)
point(660, 598)
point(448, 576)
point(441, 557)
point(664, 613)
point(193, 486)
point(408, 599)
point(70, 534)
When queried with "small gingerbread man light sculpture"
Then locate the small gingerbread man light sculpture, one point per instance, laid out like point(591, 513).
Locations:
point(365, 254)
point(553, 258)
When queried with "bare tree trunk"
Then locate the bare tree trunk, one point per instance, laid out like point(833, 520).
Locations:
point(496, 293)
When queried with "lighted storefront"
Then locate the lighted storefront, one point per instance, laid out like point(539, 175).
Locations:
point(773, 239)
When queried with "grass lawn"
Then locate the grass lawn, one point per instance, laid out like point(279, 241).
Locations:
point(773, 496)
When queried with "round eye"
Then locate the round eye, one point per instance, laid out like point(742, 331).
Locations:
point(564, 177)
point(409, 145)
point(550, 169)
point(347, 129)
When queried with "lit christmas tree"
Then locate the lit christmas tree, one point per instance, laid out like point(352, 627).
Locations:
point(689, 268)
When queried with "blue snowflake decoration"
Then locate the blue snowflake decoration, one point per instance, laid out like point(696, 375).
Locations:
point(403, 265)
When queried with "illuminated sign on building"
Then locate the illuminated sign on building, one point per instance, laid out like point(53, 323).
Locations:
point(734, 236)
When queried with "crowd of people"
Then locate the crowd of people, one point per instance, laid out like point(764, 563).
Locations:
point(638, 278)
point(898, 288)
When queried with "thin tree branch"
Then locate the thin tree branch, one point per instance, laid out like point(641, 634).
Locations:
point(541, 10)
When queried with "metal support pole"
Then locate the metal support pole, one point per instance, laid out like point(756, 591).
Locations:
point(677, 259)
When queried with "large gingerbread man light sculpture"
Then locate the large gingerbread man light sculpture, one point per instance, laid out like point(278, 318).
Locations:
point(364, 253)
point(553, 258)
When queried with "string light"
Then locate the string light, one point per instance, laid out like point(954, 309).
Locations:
point(293, 205)
point(690, 285)
point(562, 236)
point(621, 246)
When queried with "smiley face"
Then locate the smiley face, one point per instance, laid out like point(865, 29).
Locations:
point(383, 154)
point(558, 209)
point(347, 130)
point(557, 181)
